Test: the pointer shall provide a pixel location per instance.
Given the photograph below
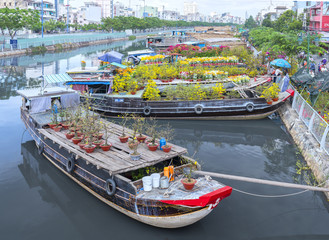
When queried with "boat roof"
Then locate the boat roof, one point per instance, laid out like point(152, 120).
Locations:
point(49, 91)
point(140, 52)
point(87, 70)
point(57, 78)
point(117, 159)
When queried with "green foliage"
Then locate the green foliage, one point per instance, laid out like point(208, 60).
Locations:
point(132, 37)
point(250, 23)
point(38, 50)
point(14, 20)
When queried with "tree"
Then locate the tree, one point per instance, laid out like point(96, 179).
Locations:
point(288, 22)
point(14, 20)
point(267, 22)
point(250, 23)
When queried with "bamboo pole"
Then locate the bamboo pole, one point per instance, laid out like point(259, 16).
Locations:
point(262, 181)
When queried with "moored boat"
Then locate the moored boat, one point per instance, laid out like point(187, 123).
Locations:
point(108, 175)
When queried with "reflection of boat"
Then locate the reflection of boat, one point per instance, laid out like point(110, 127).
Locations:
point(109, 175)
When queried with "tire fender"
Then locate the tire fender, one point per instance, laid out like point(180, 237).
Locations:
point(250, 107)
point(110, 187)
point(147, 110)
point(198, 108)
point(70, 164)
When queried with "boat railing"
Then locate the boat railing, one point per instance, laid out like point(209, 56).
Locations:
point(315, 123)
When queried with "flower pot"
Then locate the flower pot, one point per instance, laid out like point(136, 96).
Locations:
point(275, 99)
point(98, 136)
point(89, 148)
point(81, 145)
point(66, 125)
point(166, 148)
point(69, 135)
point(188, 185)
point(105, 148)
point(123, 139)
point(153, 147)
point(269, 103)
point(135, 157)
point(132, 92)
point(76, 140)
point(98, 143)
point(57, 128)
point(52, 125)
point(141, 139)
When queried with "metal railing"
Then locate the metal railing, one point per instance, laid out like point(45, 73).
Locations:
point(317, 126)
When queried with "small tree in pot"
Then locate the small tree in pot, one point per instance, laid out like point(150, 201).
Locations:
point(188, 182)
point(124, 118)
point(106, 146)
point(153, 133)
point(168, 133)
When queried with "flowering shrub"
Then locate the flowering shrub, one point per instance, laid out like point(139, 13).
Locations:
point(195, 51)
point(205, 60)
point(151, 91)
point(239, 79)
point(152, 59)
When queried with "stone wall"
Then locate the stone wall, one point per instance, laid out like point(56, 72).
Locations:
point(316, 158)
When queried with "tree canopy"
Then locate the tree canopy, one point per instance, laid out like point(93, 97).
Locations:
point(250, 23)
point(14, 20)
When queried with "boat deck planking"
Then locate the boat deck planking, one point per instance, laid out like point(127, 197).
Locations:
point(117, 159)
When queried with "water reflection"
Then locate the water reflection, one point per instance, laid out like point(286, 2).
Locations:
point(25, 71)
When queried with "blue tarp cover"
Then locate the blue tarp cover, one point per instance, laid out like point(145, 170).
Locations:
point(112, 56)
point(88, 83)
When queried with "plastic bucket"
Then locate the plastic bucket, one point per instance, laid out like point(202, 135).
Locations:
point(147, 183)
point(164, 182)
point(155, 180)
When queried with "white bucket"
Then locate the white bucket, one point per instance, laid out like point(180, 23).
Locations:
point(155, 179)
point(147, 183)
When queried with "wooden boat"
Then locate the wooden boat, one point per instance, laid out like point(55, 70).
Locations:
point(108, 175)
point(162, 41)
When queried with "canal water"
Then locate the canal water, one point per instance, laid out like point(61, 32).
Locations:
point(39, 202)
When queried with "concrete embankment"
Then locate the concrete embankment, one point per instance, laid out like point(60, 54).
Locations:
point(63, 46)
point(315, 157)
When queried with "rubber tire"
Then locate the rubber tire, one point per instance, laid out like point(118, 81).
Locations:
point(198, 109)
point(250, 107)
point(70, 164)
point(107, 187)
point(41, 148)
point(147, 110)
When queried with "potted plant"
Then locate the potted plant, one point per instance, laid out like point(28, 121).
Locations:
point(267, 95)
point(124, 138)
point(133, 144)
point(83, 65)
point(167, 133)
point(106, 146)
point(69, 135)
point(275, 92)
point(153, 133)
point(188, 182)
point(54, 119)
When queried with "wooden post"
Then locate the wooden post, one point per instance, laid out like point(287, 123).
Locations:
point(262, 181)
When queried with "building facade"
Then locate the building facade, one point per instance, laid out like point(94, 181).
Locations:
point(319, 17)
point(22, 4)
point(49, 11)
point(190, 8)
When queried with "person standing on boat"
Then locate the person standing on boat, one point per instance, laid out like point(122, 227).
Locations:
point(285, 82)
point(277, 77)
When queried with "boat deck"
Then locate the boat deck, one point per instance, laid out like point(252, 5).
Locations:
point(117, 159)
point(176, 190)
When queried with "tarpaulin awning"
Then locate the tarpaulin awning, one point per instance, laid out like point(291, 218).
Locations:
point(111, 57)
point(118, 65)
point(57, 78)
point(88, 83)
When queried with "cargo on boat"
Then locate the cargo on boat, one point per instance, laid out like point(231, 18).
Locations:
point(113, 175)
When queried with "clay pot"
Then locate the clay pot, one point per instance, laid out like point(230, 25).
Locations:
point(69, 135)
point(153, 147)
point(124, 139)
point(166, 148)
point(141, 139)
point(98, 143)
point(188, 185)
point(89, 149)
point(76, 140)
point(52, 125)
point(66, 125)
point(275, 99)
point(269, 103)
point(82, 145)
point(57, 128)
point(105, 148)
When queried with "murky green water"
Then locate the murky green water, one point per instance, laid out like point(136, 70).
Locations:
point(39, 202)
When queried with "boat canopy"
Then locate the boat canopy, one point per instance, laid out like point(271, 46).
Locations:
point(88, 82)
point(141, 52)
point(112, 57)
point(57, 78)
